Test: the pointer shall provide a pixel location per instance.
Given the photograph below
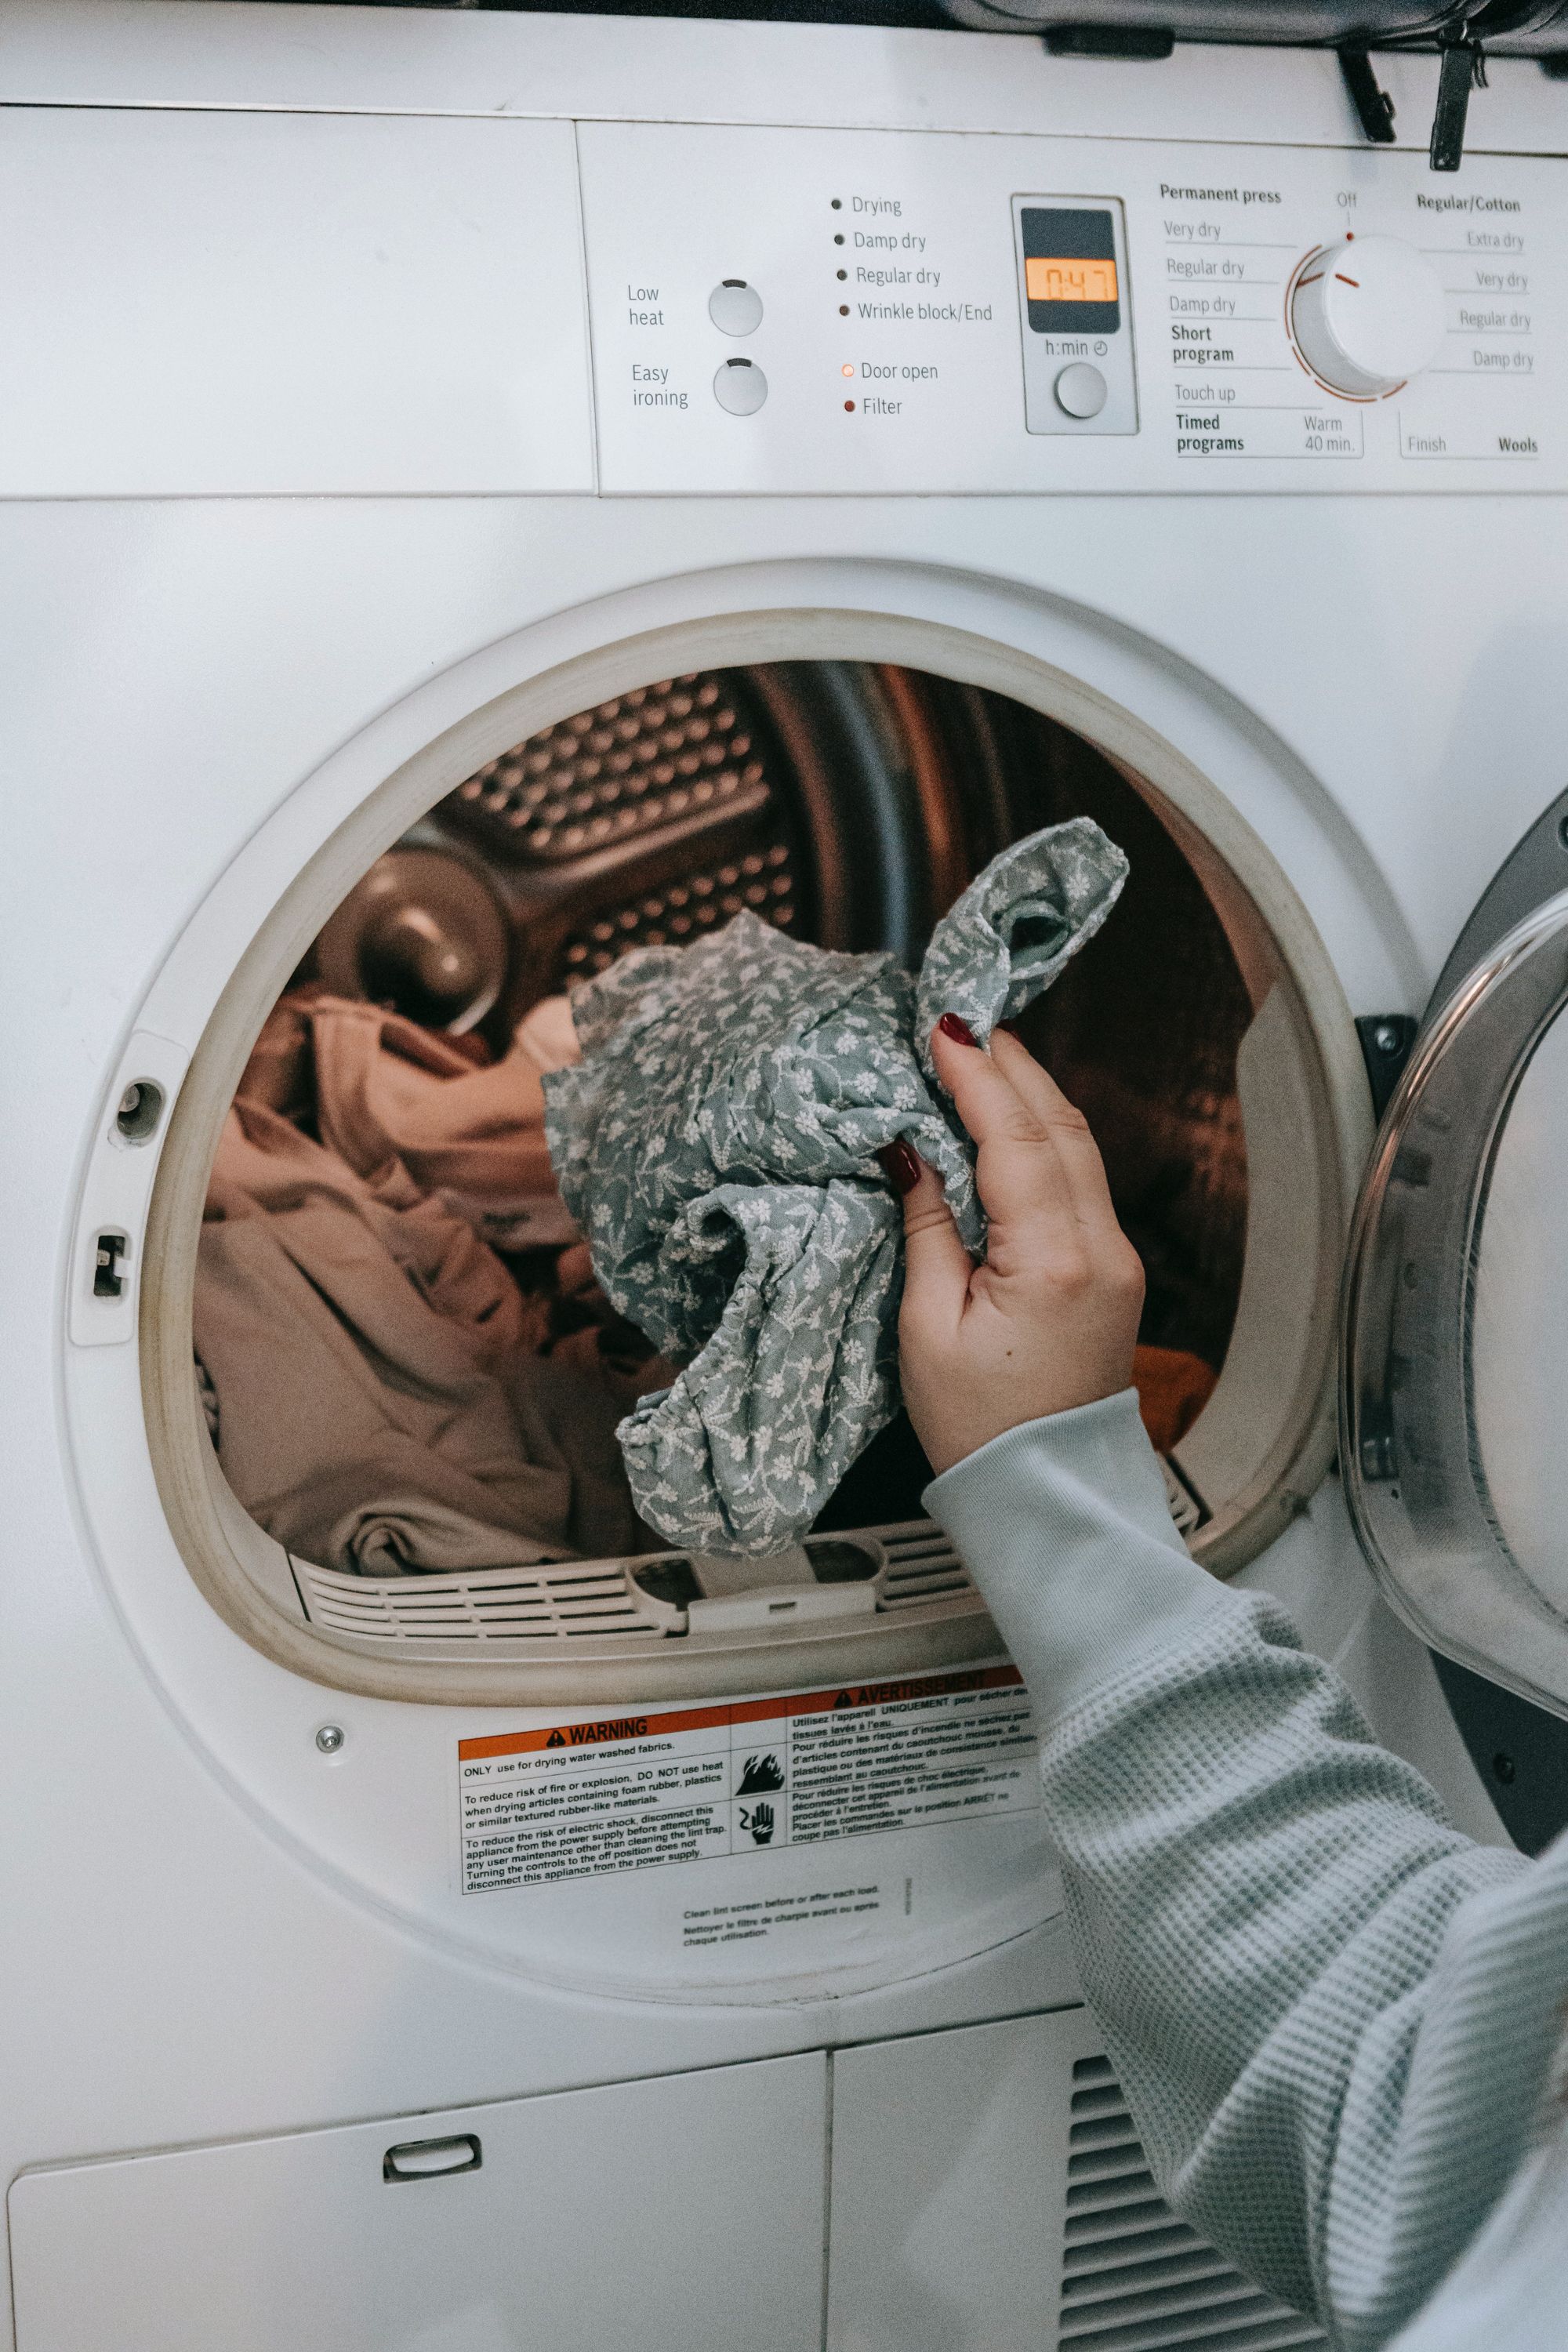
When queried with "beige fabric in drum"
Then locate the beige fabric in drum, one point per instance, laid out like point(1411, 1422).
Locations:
point(382, 1405)
point(384, 1088)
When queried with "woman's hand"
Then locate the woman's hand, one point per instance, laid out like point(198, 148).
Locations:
point(1051, 1318)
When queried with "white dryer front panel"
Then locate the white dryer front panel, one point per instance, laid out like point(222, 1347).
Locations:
point(838, 311)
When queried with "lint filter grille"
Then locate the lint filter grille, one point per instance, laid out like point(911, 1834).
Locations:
point(1136, 2278)
point(901, 1568)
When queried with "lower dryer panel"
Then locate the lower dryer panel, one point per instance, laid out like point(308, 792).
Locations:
point(558, 2220)
point(990, 2194)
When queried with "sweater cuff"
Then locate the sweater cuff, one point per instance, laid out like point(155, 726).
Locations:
point(1064, 1525)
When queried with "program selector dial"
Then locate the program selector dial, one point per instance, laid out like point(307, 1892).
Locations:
point(1367, 314)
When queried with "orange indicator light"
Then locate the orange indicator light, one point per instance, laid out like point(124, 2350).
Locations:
point(846, 369)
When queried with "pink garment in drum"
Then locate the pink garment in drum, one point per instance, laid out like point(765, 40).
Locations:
point(382, 1404)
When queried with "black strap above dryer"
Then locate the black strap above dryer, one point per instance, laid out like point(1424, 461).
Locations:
point(1460, 30)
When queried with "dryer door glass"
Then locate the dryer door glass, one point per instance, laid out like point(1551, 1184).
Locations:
point(1456, 1312)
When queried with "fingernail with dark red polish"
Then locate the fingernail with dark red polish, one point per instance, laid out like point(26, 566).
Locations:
point(954, 1025)
point(901, 1164)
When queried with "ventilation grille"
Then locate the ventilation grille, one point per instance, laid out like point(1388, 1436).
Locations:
point(644, 823)
point(1134, 2278)
point(1188, 1513)
point(570, 1600)
point(762, 879)
point(559, 1600)
point(921, 1565)
point(652, 758)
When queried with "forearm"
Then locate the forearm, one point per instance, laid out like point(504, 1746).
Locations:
point(1065, 1528)
point(1257, 1893)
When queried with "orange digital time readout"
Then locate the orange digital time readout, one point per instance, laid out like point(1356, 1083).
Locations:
point(1053, 278)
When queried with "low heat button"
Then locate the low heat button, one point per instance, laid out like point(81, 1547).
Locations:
point(1080, 390)
point(735, 308)
point(740, 387)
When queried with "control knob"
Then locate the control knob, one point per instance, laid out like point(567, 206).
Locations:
point(1367, 314)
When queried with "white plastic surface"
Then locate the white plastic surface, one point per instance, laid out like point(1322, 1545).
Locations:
point(370, 590)
point(118, 1189)
point(901, 355)
point(1368, 313)
point(949, 2158)
point(277, 302)
point(679, 2215)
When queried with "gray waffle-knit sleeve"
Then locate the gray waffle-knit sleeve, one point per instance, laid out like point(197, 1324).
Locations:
point(1332, 2014)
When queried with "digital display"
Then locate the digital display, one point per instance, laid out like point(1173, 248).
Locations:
point(1055, 278)
point(1071, 283)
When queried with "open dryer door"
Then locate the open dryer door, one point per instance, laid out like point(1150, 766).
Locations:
point(1454, 1435)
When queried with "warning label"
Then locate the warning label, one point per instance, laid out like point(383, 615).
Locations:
point(631, 1792)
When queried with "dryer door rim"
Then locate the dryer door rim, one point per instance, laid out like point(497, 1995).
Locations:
point(1309, 1072)
point(1428, 1488)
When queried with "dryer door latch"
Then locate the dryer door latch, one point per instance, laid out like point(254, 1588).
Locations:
point(108, 1270)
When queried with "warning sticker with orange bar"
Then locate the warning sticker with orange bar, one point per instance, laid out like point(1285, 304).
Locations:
point(635, 1791)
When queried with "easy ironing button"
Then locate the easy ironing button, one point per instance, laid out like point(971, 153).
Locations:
point(1080, 390)
point(740, 387)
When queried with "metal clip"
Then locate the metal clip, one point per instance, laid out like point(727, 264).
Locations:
point(1374, 108)
point(1463, 70)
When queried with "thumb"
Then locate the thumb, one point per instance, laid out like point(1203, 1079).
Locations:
point(937, 1267)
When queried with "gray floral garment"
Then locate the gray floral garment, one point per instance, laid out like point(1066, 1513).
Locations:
point(717, 1146)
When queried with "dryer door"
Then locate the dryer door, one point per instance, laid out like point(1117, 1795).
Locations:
point(1454, 1390)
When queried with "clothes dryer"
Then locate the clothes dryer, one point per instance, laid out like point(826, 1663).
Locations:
point(482, 491)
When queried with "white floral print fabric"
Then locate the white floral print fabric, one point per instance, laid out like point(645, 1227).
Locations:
point(717, 1145)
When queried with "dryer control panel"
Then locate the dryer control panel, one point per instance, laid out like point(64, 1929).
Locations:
point(798, 312)
point(1078, 330)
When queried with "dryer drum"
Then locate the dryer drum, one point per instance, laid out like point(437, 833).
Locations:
point(847, 803)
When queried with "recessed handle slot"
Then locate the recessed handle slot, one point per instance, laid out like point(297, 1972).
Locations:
point(108, 1270)
point(432, 2159)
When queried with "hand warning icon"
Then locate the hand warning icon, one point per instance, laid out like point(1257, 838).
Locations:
point(759, 1821)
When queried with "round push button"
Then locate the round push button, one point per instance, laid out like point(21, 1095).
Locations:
point(740, 387)
point(1080, 390)
point(735, 308)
